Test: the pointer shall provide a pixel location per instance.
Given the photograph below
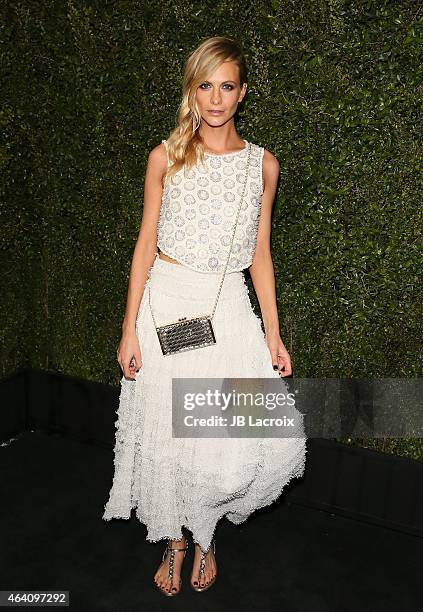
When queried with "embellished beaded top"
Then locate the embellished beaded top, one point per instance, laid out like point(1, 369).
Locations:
point(199, 208)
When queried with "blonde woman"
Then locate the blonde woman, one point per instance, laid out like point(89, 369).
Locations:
point(208, 197)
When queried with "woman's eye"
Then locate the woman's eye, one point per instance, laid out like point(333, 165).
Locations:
point(226, 85)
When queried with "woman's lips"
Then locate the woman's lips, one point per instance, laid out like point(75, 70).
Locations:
point(215, 112)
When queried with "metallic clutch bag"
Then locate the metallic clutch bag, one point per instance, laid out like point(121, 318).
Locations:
point(187, 334)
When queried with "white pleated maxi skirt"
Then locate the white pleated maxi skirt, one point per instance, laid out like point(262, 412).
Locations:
point(193, 482)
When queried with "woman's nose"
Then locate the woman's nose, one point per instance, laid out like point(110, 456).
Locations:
point(215, 97)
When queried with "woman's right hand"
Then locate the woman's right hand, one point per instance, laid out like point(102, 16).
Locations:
point(129, 354)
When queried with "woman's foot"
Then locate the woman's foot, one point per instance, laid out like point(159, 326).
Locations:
point(203, 579)
point(161, 578)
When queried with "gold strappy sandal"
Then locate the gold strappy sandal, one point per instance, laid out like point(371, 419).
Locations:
point(201, 573)
point(170, 569)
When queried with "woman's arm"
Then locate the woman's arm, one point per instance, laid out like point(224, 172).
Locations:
point(262, 271)
point(129, 352)
point(146, 245)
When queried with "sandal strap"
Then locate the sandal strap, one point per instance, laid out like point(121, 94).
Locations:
point(172, 552)
point(169, 547)
point(203, 557)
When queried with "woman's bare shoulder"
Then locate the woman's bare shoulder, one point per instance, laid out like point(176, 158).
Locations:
point(271, 169)
point(270, 161)
point(158, 153)
point(157, 161)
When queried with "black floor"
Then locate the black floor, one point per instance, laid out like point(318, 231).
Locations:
point(285, 557)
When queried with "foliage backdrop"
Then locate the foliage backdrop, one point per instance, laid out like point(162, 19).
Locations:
point(335, 91)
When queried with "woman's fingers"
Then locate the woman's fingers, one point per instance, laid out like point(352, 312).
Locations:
point(284, 368)
point(129, 358)
point(279, 364)
point(281, 360)
point(284, 364)
point(134, 365)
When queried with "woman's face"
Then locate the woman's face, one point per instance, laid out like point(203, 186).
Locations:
point(218, 96)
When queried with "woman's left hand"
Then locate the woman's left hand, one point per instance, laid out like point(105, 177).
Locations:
point(279, 354)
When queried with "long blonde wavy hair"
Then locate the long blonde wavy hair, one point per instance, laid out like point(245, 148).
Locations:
point(185, 147)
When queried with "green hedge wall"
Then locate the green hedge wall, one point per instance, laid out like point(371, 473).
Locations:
point(334, 92)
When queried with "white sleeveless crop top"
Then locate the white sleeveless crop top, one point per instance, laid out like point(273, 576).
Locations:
point(199, 208)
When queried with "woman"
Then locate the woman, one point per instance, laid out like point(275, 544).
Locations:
point(195, 182)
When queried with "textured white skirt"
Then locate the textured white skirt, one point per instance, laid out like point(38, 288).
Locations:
point(193, 482)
